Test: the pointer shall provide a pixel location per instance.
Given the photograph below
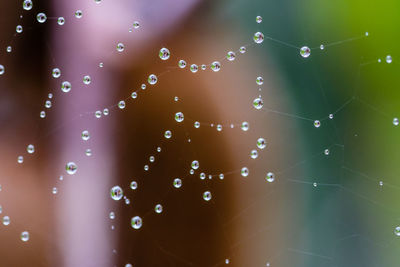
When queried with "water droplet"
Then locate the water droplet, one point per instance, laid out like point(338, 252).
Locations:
point(219, 127)
point(182, 63)
point(136, 222)
point(87, 79)
point(88, 152)
point(177, 183)
point(71, 168)
point(194, 68)
point(42, 114)
point(258, 103)
point(322, 47)
point(179, 117)
point(56, 73)
point(215, 66)
point(195, 164)
point(134, 95)
point(259, 80)
point(133, 185)
point(27, 5)
point(395, 121)
point(106, 112)
point(326, 152)
point(261, 143)
point(6, 220)
point(97, 114)
point(388, 59)
point(317, 123)
point(66, 86)
point(2, 69)
point(164, 53)
point(25, 236)
point(330, 116)
point(254, 154)
point(116, 192)
point(226, 261)
point(41, 17)
point(120, 47)
point(158, 208)
point(19, 29)
point(305, 51)
point(231, 56)
point(258, 37)
point(20, 159)
point(245, 126)
point(61, 21)
point(196, 124)
point(221, 176)
point(396, 230)
point(30, 148)
point(244, 171)
point(78, 14)
point(152, 79)
point(242, 49)
point(54, 190)
point(136, 24)
point(207, 196)
point(121, 104)
point(270, 177)
point(85, 135)
point(111, 215)
point(167, 134)
point(258, 19)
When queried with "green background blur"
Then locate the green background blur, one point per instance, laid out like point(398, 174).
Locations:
point(351, 221)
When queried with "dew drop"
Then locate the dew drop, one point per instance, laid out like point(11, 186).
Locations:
point(215, 66)
point(245, 126)
point(231, 56)
point(78, 14)
point(133, 185)
point(41, 17)
point(167, 134)
point(158, 208)
point(244, 171)
point(258, 37)
point(71, 168)
point(152, 79)
point(164, 53)
point(305, 51)
point(27, 5)
point(388, 59)
point(136, 222)
point(194, 68)
point(207, 195)
point(182, 63)
point(66, 86)
point(120, 47)
point(56, 73)
point(195, 164)
point(270, 177)
point(177, 183)
point(6, 220)
point(85, 135)
point(25, 236)
point(317, 123)
point(116, 192)
point(258, 19)
point(258, 103)
point(179, 117)
point(60, 21)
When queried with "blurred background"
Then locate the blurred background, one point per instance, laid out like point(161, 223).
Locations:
point(338, 209)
